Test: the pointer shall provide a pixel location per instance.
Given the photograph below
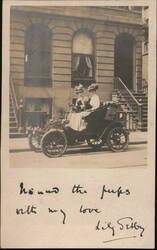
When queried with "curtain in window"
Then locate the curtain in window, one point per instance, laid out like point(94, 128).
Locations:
point(89, 64)
point(82, 58)
point(76, 62)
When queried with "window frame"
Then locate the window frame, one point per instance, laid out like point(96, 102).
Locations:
point(42, 79)
point(85, 81)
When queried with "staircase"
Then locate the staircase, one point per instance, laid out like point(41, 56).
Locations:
point(143, 99)
point(14, 131)
point(13, 124)
point(134, 105)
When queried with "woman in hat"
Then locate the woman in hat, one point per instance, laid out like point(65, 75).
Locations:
point(80, 102)
point(94, 98)
point(75, 120)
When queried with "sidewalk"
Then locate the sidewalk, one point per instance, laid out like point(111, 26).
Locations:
point(138, 137)
point(21, 144)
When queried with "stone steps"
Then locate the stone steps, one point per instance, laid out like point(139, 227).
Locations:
point(17, 135)
point(13, 123)
point(141, 98)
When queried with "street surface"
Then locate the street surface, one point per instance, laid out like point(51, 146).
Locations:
point(85, 157)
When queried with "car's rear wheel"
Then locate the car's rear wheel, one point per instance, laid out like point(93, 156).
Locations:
point(54, 143)
point(117, 139)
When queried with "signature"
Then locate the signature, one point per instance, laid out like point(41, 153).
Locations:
point(124, 224)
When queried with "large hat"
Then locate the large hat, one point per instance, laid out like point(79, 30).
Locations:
point(79, 89)
point(93, 87)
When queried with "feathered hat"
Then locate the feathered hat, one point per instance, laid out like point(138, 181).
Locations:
point(79, 89)
point(93, 87)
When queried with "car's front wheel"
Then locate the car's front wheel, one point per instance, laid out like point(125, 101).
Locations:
point(54, 143)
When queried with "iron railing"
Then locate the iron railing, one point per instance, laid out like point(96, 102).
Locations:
point(134, 112)
point(18, 108)
point(13, 97)
point(145, 86)
point(129, 119)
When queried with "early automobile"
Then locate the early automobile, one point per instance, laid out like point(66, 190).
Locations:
point(102, 128)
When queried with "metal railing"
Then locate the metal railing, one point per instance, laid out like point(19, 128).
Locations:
point(13, 97)
point(134, 107)
point(145, 86)
point(18, 108)
point(129, 119)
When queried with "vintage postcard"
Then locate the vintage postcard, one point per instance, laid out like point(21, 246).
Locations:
point(78, 124)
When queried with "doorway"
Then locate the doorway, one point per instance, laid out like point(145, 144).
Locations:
point(124, 59)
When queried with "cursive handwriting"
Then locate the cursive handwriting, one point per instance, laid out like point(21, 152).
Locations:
point(128, 223)
point(89, 210)
point(118, 191)
point(117, 229)
point(78, 189)
point(122, 224)
point(31, 191)
point(50, 210)
point(30, 209)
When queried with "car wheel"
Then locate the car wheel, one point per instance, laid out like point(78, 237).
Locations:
point(34, 142)
point(117, 139)
point(54, 143)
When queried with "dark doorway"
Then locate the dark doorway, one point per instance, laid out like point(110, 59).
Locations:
point(124, 58)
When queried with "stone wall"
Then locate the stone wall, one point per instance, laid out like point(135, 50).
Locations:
point(63, 29)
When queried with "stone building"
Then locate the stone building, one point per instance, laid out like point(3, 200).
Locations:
point(52, 49)
point(145, 15)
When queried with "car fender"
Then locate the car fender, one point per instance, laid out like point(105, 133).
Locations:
point(51, 131)
point(112, 125)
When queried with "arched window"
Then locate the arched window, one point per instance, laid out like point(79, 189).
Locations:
point(38, 55)
point(82, 59)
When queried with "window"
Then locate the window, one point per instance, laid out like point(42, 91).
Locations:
point(82, 59)
point(37, 111)
point(38, 55)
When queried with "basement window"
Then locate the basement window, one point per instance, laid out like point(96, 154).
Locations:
point(37, 111)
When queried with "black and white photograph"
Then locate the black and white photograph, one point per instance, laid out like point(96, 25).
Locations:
point(78, 124)
point(78, 85)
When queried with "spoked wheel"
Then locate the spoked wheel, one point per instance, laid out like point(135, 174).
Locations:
point(117, 139)
point(96, 144)
point(54, 143)
point(34, 142)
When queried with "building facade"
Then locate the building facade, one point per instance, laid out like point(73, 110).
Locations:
point(52, 49)
point(145, 15)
